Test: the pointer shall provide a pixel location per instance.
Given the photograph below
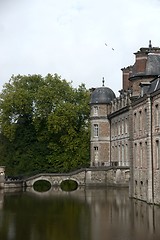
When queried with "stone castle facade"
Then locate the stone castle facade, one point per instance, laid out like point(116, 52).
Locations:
point(125, 130)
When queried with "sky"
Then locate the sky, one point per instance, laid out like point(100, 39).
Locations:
point(75, 38)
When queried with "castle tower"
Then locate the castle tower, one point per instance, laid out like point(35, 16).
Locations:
point(100, 125)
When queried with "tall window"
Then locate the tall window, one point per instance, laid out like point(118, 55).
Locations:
point(135, 155)
point(126, 153)
point(157, 154)
point(119, 127)
point(96, 154)
point(156, 115)
point(134, 122)
point(116, 154)
point(126, 125)
point(123, 156)
point(96, 130)
point(122, 126)
point(119, 155)
point(141, 155)
point(145, 156)
point(113, 153)
point(112, 130)
point(116, 130)
point(145, 119)
point(140, 120)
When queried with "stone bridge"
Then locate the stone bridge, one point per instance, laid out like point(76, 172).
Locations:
point(95, 176)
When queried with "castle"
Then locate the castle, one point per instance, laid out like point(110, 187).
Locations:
point(125, 130)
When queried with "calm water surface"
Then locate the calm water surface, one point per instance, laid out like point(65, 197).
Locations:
point(92, 214)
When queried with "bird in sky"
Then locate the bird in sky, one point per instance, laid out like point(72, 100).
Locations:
point(107, 46)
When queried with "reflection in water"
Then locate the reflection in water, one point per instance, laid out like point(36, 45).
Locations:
point(1, 198)
point(84, 214)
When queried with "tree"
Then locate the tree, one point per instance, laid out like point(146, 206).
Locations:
point(44, 125)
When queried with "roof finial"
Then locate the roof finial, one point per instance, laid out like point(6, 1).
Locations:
point(103, 82)
point(150, 44)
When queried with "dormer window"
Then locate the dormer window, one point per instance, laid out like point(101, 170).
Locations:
point(95, 110)
point(144, 87)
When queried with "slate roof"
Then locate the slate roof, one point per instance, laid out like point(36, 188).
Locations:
point(102, 95)
point(149, 88)
point(153, 64)
point(152, 67)
point(155, 85)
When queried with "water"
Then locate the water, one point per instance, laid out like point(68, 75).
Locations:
point(92, 214)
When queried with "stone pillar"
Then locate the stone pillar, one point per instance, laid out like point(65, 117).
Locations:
point(2, 176)
point(150, 193)
point(130, 154)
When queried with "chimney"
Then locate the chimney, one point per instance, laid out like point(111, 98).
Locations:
point(141, 60)
point(126, 72)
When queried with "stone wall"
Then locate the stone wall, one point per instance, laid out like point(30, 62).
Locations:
point(2, 176)
point(14, 184)
point(112, 177)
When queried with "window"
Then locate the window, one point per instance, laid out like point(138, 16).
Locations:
point(134, 123)
point(96, 130)
point(145, 119)
point(156, 115)
point(126, 126)
point(119, 127)
point(116, 130)
point(113, 153)
point(126, 155)
point(95, 110)
point(122, 126)
point(116, 154)
point(157, 154)
point(140, 120)
point(141, 155)
point(135, 187)
point(96, 154)
point(112, 130)
point(123, 156)
point(145, 156)
point(135, 155)
point(119, 155)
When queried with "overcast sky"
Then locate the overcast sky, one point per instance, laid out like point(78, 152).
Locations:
point(68, 37)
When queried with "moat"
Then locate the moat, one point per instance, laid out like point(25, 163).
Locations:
point(84, 214)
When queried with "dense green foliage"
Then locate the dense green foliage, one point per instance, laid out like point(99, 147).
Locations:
point(43, 125)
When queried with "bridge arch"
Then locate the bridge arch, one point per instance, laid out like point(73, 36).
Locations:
point(69, 178)
point(69, 184)
point(40, 179)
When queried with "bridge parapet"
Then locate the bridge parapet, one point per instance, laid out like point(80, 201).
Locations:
point(94, 176)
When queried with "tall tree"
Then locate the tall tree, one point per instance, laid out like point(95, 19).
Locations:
point(44, 125)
